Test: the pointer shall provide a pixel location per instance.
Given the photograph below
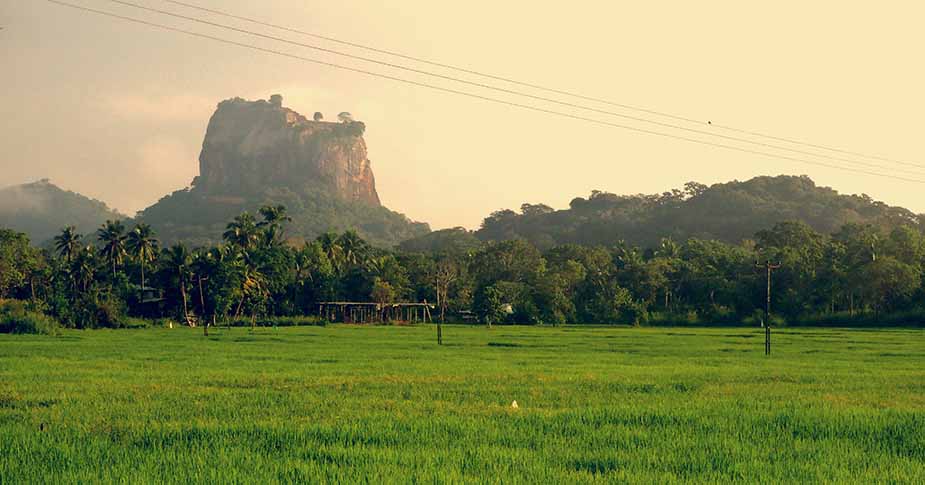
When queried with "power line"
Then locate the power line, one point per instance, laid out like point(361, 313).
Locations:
point(478, 96)
point(507, 91)
point(539, 86)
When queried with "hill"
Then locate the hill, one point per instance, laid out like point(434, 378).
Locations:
point(259, 152)
point(729, 212)
point(40, 209)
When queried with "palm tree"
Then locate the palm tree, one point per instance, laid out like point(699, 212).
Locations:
point(84, 267)
point(331, 247)
point(353, 248)
point(143, 247)
point(201, 267)
point(273, 218)
point(242, 231)
point(252, 283)
point(112, 236)
point(68, 243)
point(178, 260)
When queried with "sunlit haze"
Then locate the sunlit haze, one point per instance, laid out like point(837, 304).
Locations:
point(117, 111)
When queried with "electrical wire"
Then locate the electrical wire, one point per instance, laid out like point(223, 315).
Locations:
point(509, 91)
point(538, 86)
point(477, 96)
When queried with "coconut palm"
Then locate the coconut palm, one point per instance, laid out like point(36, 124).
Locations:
point(112, 237)
point(252, 283)
point(353, 248)
point(331, 247)
point(84, 267)
point(242, 231)
point(274, 216)
point(201, 267)
point(143, 247)
point(177, 260)
point(68, 243)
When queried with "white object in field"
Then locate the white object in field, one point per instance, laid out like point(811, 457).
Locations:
point(169, 324)
point(514, 405)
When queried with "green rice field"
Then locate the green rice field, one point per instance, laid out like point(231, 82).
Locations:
point(381, 404)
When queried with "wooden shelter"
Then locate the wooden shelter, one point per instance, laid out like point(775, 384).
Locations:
point(370, 312)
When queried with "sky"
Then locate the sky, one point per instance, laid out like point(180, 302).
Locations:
point(117, 111)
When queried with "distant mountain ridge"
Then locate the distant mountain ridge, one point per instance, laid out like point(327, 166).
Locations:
point(729, 212)
point(40, 209)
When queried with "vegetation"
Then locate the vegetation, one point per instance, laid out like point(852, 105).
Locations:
point(16, 317)
point(346, 404)
point(859, 275)
point(196, 219)
point(729, 212)
point(41, 209)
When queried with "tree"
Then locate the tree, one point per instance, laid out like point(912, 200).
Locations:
point(112, 237)
point(201, 269)
point(68, 243)
point(889, 282)
point(177, 260)
point(446, 271)
point(489, 305)
point(83, 268)
point(800, 251)
point(353, 249)
point(17, 261)
point(274, 216)
point(252, 284)
point(516, 260)
point(382, 292)
point(242, 231)
point(345, 117)
point(143, 247)
point(330, 245)
point(318, 116)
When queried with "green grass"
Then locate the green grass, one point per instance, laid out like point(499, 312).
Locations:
point(385, 404)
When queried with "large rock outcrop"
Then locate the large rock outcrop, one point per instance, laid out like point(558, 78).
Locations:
point(252, 145)
point(257, 153)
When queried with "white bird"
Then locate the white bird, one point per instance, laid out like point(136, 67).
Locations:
point(514, 405)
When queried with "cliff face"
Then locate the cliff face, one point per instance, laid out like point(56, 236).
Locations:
point(257, 153)
point(252, 145)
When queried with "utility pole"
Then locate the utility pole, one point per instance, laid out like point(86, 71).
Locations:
point(767, 320)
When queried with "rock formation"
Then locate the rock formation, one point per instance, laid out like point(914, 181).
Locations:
point(259, 152)
point(252, 145)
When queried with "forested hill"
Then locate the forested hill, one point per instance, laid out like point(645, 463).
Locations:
point(40, 209)
point(729, 212)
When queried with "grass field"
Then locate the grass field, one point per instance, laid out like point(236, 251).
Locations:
point(385, 404)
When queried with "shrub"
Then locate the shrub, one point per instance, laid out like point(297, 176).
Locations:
point(16, 318)
point(297, 321)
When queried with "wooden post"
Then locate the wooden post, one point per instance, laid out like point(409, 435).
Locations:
point(767, 324)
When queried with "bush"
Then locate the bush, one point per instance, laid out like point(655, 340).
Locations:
point(911, 318)
point(297, 321)
point(16, 318)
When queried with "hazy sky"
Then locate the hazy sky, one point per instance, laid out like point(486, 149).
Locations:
point(117, 111)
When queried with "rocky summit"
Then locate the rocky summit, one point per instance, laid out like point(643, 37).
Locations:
point(258, 152)
point(252, 145)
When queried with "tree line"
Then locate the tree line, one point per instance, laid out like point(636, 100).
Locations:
point(860, 272)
